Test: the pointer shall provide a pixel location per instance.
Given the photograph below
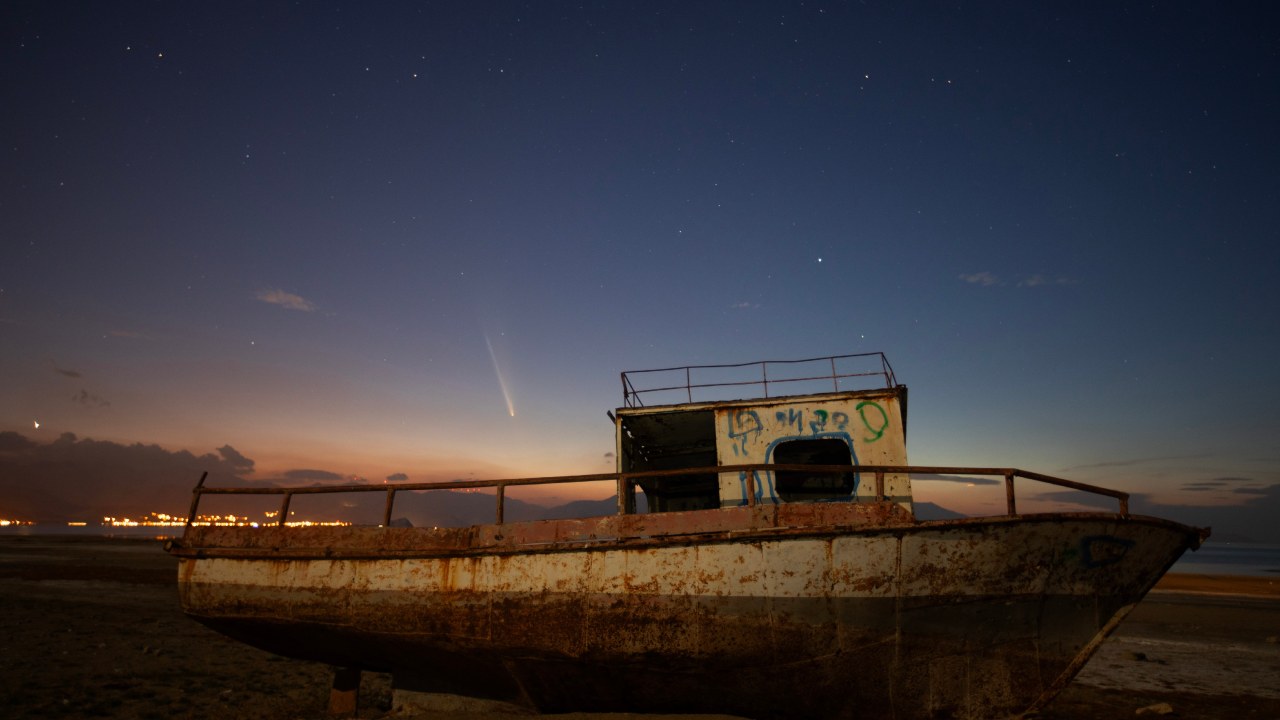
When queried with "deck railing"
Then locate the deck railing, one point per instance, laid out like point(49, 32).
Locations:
point(705, 377)
point(626, 484)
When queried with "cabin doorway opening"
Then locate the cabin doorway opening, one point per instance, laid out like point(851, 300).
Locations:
point(672, 441)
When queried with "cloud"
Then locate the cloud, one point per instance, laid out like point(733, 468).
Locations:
point(1253, 520)
point(1038, 280)
point(1202, 486)
point(309, 474)
point(397, 477)
point(931, 477)
point(235, 459)
point(1135, 461)
point(63, 371)
point(983, 278)
point(285, 300)
point(12, 442)
point(88, 399)
point(1080, 497)
point(1215, 483)
point(84, 479)
point(744, 305)
point(987, 279)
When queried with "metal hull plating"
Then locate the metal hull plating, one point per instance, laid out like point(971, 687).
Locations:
point(831, 610)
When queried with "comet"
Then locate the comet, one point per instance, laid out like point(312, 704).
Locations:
point(502, 382)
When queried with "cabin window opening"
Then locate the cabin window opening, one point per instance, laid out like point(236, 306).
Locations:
point(802, 486)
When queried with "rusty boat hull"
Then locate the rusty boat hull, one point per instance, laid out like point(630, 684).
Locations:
point(834, 610)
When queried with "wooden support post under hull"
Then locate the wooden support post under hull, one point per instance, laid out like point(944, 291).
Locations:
point(344, 698)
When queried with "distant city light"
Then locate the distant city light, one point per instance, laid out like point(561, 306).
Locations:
point(155, 519)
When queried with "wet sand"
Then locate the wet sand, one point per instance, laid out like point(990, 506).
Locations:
point(91, 628)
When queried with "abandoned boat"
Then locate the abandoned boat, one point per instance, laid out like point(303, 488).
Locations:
point(770, 566)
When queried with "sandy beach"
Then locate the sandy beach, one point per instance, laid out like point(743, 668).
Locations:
point(91, 628)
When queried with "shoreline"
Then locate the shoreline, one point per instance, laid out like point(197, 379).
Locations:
point(91, 627)
point(1219, 584)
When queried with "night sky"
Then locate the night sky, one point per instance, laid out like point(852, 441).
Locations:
point(370, 240)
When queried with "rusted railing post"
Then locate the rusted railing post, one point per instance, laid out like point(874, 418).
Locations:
point(195, 498)
point(1008, 493)
point(1124, 506)
point(386, 513)
point(751, 488)
point(626, 504)
point(880, 486)
point(284, 508)
point(500, 494)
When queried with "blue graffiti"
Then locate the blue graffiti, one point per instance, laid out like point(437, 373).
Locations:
point(821, 422)
point(759, 487)
point(791, 417)
point(1102, 550)
point(743, 425)
point(765, 490)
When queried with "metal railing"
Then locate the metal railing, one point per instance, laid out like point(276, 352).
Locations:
point(626, 484)
point(631, 396)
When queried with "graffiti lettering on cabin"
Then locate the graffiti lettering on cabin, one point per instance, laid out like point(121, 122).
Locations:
point(791, 417)
point(876, 432)
point(744, 425)
point(822, 420)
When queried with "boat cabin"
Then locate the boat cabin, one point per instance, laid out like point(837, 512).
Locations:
point(838, 427)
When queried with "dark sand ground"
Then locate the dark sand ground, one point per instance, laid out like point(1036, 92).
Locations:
point(90, 628)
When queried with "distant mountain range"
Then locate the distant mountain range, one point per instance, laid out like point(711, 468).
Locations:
point(456, 509)
point(459, 508)
point(933, 511)
point(80, 479)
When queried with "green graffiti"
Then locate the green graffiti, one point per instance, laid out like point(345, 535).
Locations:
point(877, 433)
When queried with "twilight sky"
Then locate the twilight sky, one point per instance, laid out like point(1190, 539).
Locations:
point(355, 238)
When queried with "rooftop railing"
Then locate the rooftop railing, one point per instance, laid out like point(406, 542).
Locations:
point(626, 485)
point(684, 382)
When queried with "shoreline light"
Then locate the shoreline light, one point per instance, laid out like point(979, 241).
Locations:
point(155, 519)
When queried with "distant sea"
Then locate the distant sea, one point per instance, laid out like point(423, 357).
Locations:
point(92, 530)
point(1231, 558)
point(1213, 558)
